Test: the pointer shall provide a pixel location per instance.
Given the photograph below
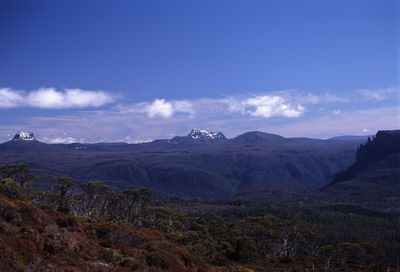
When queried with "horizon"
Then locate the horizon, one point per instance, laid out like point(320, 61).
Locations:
point(60, 141)
point(131, 71)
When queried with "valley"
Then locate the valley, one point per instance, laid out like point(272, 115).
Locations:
point(192, 166)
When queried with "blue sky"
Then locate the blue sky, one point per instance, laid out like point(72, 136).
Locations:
point(139, 70)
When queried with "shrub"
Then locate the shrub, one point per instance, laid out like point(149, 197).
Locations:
point(11, 189)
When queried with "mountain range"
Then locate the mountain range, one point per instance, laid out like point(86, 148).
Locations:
point(202, 164)
point(372, 181)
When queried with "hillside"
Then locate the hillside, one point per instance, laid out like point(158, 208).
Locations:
point(374, 178)
point(128, 232)
point(34, 239)
point(197, 165)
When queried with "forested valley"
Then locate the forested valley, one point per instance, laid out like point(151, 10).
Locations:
point(89, 227)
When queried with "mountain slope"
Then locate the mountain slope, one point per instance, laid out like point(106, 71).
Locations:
point(385, 144)
point(201, 164)
point(374, 178)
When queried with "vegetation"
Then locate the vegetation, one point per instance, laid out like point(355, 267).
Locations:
point(89, 227)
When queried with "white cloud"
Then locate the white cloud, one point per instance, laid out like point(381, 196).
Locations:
point(160, 108)
point(264, 106)
point(183, 106)
point(323, 98)
point(333, 98)
point(234, 104)
point(69, 98)
point(366, 94)
point(258, 106)
point(269, 106)
point(138, 141)
point(351, 123)
point(83, 98)
point(46, 98)
point(310, 98)
point(51, 98)
point(365, 130)
point(60, 140)
point(377, 94)
point(10, 98)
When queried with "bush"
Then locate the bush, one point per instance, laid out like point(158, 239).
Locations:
point(10, 189)
point(64, 222)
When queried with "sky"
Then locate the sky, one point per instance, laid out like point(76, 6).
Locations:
point(133, 71)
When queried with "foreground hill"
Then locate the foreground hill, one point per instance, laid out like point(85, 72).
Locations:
point(202, 164)
point(127, 232)
point(34, 239)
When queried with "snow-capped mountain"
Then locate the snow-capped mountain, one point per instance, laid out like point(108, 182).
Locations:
point(203, 134)
point(24, 136)
point(199, 136)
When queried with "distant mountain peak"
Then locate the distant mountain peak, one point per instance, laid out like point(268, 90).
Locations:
point(202, 134)
point(258, 137)
point(24, 136)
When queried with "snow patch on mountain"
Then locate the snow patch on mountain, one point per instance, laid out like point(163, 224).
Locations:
point(202, 134)
point(25, 136)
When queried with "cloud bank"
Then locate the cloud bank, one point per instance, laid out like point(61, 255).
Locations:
point(50, 98)
point(288, 113)
point(286, 104)
point(263, 106)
